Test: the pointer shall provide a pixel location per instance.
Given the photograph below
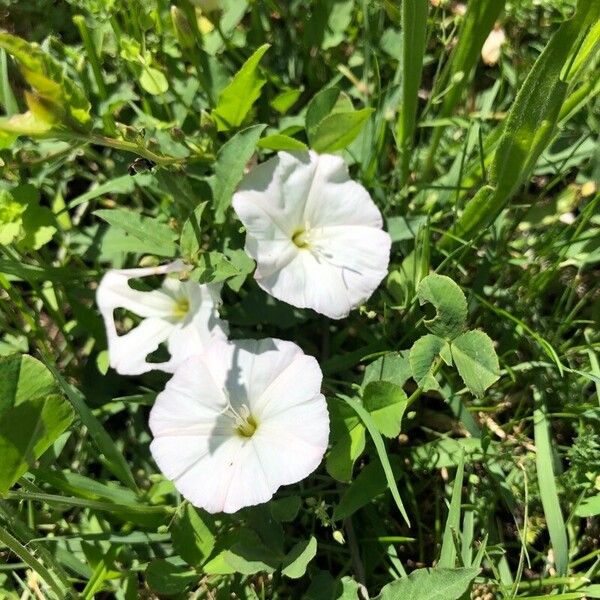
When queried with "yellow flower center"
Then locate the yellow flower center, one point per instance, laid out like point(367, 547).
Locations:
point(246, 427)
point(181, 308)
point(300, 238)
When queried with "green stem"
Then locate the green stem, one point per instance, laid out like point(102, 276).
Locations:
point(134, 148)
point(419, 391)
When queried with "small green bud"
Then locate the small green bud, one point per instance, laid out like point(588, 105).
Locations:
point(183, 29)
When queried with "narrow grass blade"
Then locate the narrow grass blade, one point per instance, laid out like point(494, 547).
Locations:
point(115, 459)
point(13, 544)
point(414, 30)
point(448, 550)
point(381, 451)
point(478, 23)
point(547, 485)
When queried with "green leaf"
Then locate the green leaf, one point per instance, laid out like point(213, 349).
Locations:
point(146, 229)
point(393, 366)
point(236, 100)
point(339, 129)
point(191, 234)
point(430, 584)
point(423, 356)
point(318, 108)
point(386, 402)
point(285, 509)
point(58, 93)
point(115, 460)
point(381, 452)
point(546, 478)
point(535, 111)
point(278, 141)
point(214, 267)
point(285, 100)
point(590, 507)
point(192, 539)
point(164, 576)
point(347, 441)
point(414, 30)
point(295, 563)
point(229, 167)
point(32, 415)
point(369, 484)
point(448, 549)
point(153, 81)
point(449, 302)
point(475, 358)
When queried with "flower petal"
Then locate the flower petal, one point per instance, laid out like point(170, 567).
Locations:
point(186, 335)
point(127, 353)
point(197, 443)
point(311, 196)
point(114, 291)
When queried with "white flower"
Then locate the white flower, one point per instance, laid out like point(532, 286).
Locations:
point(239, 421)
point(315, 234)
point(491, 49)
point(181, 313)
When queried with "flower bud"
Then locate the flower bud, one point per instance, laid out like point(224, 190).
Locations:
point(183, 29)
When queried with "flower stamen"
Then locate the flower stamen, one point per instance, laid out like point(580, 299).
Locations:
point(301, 239)
point(181, 308)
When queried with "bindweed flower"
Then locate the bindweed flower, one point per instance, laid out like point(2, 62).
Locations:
point(239, 421)
point(181, 313)
point(315, 234)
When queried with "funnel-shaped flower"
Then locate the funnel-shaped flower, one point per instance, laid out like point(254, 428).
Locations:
point(181, 313)
point(239, 421)
point(315, 234)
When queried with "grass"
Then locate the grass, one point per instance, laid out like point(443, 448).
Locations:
point(485, 174)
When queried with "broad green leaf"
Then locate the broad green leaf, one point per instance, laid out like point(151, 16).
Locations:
point(370, 483)
point(236, 100)
point(278, 141)
point(318, 108)
point(475, 358)
point(192, 539)
point(339, 129)
point(285, 100)
point(424, 354)
point(414, 30)
point(386, 403)
point(165, 576)
point(59, 94)
point(430, 584)
point(590, 507)
point(145, 229)
point(229, 167)
point(347, 441)
point(534, 113)
point(449, 302)
point(393, 366)
point(153, 81)
point(23, 222)
point(191, 234)
point(33, 413)
point(381, 452)
point(285, 509)
point(214, 267)
point(296, 561)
